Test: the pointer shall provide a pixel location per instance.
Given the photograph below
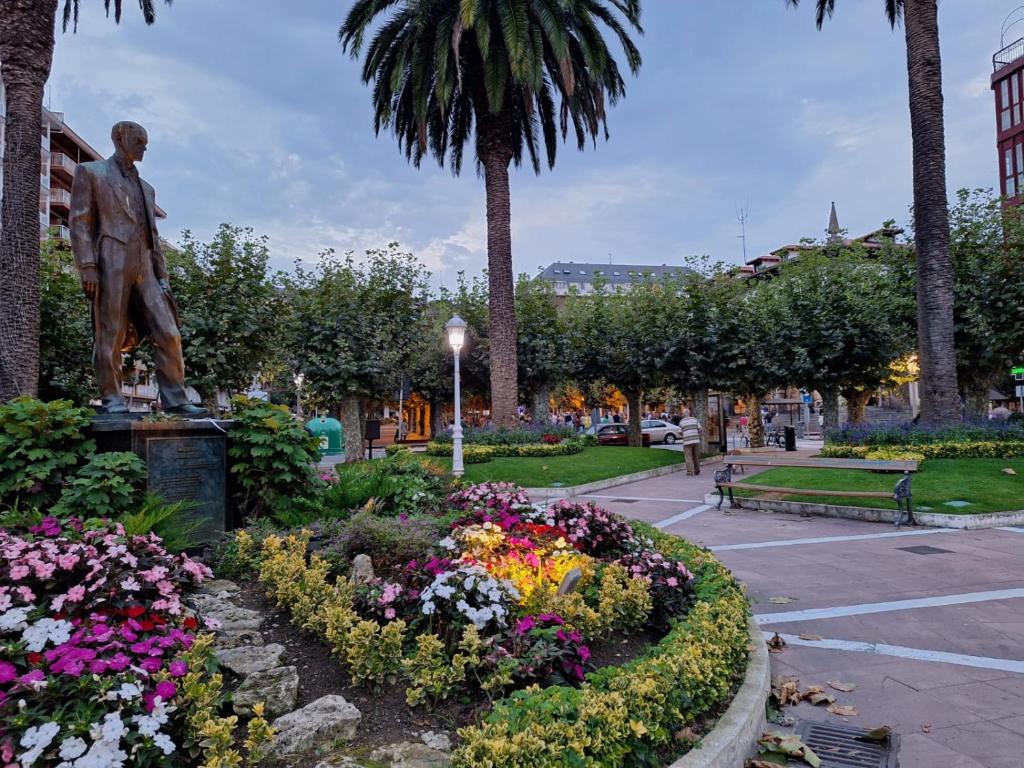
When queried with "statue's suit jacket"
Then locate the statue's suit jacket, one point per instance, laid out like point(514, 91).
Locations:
point(103, 228)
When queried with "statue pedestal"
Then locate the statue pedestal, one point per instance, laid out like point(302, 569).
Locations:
point(185, 460)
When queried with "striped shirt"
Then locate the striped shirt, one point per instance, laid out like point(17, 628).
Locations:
point(691, 430)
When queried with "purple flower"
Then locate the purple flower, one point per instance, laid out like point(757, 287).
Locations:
point(7, 672)
point(166, 690)
point(178, 668)
point(525, 625)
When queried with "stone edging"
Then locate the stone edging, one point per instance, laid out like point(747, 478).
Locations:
point(548, 494)
point(736, 732)
point(872, 515)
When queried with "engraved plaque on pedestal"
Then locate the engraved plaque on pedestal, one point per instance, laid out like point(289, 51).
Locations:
point(191, 469)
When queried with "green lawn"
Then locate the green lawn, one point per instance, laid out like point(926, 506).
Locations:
point(556, 471)
point(978, 481)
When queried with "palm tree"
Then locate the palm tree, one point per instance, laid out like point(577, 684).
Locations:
point(444, 70)
point(940, 400)
point(26, 55)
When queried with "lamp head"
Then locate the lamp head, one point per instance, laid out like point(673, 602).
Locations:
point(456, 330)
point(299, 378)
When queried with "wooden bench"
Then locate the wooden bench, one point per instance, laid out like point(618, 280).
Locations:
point(901, 494)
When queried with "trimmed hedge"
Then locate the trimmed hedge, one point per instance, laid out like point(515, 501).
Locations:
point(977, 431)
point(484, 453)
point(949, 450)
point(626, 715)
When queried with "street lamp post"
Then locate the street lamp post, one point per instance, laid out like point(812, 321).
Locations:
point(299, 378)
point(456, 328)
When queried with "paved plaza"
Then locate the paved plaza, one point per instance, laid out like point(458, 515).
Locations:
point(927, 623)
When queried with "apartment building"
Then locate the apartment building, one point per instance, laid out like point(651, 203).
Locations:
point(566, 277)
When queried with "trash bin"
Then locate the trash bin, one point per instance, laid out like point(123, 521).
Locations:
point(790, 433)
point(330, 433)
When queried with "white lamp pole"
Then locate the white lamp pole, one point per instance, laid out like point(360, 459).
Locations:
point(299, 378)
point(456, 328)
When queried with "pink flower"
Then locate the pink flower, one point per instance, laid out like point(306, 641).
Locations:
point(76, 594)
point(178, 668)
point(19, 572)
point(166, 690)
point(7, 672)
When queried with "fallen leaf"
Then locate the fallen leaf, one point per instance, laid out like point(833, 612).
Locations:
point(781, 600)
point(687, 734)
point(821, 698)
point(771, 746)
point(926, 727)
point(843, 710)
point(813, 638)
point(844, 687)
point(879, 734)
point(1009, 471)
point(786, 690)
point(776, 644)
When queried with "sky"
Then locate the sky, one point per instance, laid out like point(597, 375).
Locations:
point(258, 118)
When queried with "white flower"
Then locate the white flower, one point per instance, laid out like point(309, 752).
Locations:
point(102, 754)
point(428, 608)
point(163, 741)
point(148, 726)
point(469, 583)
point(46, 630)
point(72, 747)
point(37, 739)
point(14, 618)
point(445, 591)
point(129, 691)
point(111, 731)
point(129, 584)
point(447, 543)
point(463, 606)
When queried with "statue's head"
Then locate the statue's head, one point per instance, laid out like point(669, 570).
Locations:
point(130, 140)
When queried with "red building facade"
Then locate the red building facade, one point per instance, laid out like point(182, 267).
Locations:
point(1008, 84)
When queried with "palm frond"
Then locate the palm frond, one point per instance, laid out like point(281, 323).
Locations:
point(827, 8)
point(69, 15)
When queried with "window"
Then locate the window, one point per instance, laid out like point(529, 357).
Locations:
point(1019, 147)
point(1004, 105)
point(1009, 178)
point(616, 273)
point(1015, 97)
point(583, 272)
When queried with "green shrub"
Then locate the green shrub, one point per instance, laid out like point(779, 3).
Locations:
point(390, 542)
point(173, 523)
point(40, 445)
point(272, 456)
point(398, 484)
point(895, 454)
point(396, 448)
point(107, 485)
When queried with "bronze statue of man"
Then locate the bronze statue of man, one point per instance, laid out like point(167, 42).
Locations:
point(124, 273)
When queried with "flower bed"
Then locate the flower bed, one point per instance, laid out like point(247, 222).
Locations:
point(480, 614)
point(479, 454)
point(978, 449)
point(100, 663)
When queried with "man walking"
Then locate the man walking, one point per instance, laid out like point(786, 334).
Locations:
point(691, 442)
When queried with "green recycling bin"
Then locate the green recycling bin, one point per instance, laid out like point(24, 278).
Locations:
point(330, 433)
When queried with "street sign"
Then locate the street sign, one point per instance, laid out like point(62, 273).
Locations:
point(1020, 390)
point(1017, 372)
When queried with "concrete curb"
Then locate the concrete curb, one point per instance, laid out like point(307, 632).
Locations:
point(550, 494)
point(871, 515)
point(734, 736)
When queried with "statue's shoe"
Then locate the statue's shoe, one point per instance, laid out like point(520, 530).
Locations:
point(187, 409)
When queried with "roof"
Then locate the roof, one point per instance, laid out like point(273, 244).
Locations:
point(569, 271)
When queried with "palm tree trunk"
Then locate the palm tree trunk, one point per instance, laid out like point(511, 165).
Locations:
point(495, 155)
point(633, 401)
point(940, 400)
point(26, 55)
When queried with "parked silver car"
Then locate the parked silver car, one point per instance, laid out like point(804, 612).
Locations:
point(661, 431)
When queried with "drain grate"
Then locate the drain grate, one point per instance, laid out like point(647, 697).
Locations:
point(625, 501)
point(839, 747)
point(924, 549)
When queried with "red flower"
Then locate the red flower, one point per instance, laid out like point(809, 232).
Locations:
point(190, 622)
point(146, 626)
point(134, 612)
point(157, 619)
point(33, 657)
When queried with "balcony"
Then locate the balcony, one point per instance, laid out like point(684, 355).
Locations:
point(1008, 55)
point(60, 232)
point(60, 198)
point(62, 165)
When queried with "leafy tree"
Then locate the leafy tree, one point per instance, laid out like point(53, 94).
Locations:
point(65, 340)
point(987, 245)
point(353, 329)
point(230, 309)
point(443, 70)
point(431, 367)
point(543, 344)
point(846, 318)
point(621, 339)
point(940, 401)
point(26, 55)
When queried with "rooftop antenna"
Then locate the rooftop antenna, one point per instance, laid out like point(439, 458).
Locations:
point(1006, 27)
point(609, 259)
point(741, 217)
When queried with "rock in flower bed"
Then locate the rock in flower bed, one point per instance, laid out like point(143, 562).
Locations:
point(480, 614)
point(101, 665)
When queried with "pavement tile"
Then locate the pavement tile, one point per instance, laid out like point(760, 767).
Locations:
point(1014, 724)
point(921, 751)
point(988, 743)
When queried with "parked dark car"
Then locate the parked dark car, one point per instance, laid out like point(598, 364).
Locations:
point(618, 434)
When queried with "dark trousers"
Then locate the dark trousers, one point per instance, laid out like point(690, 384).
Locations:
point(130, 292)
point(692, 454)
